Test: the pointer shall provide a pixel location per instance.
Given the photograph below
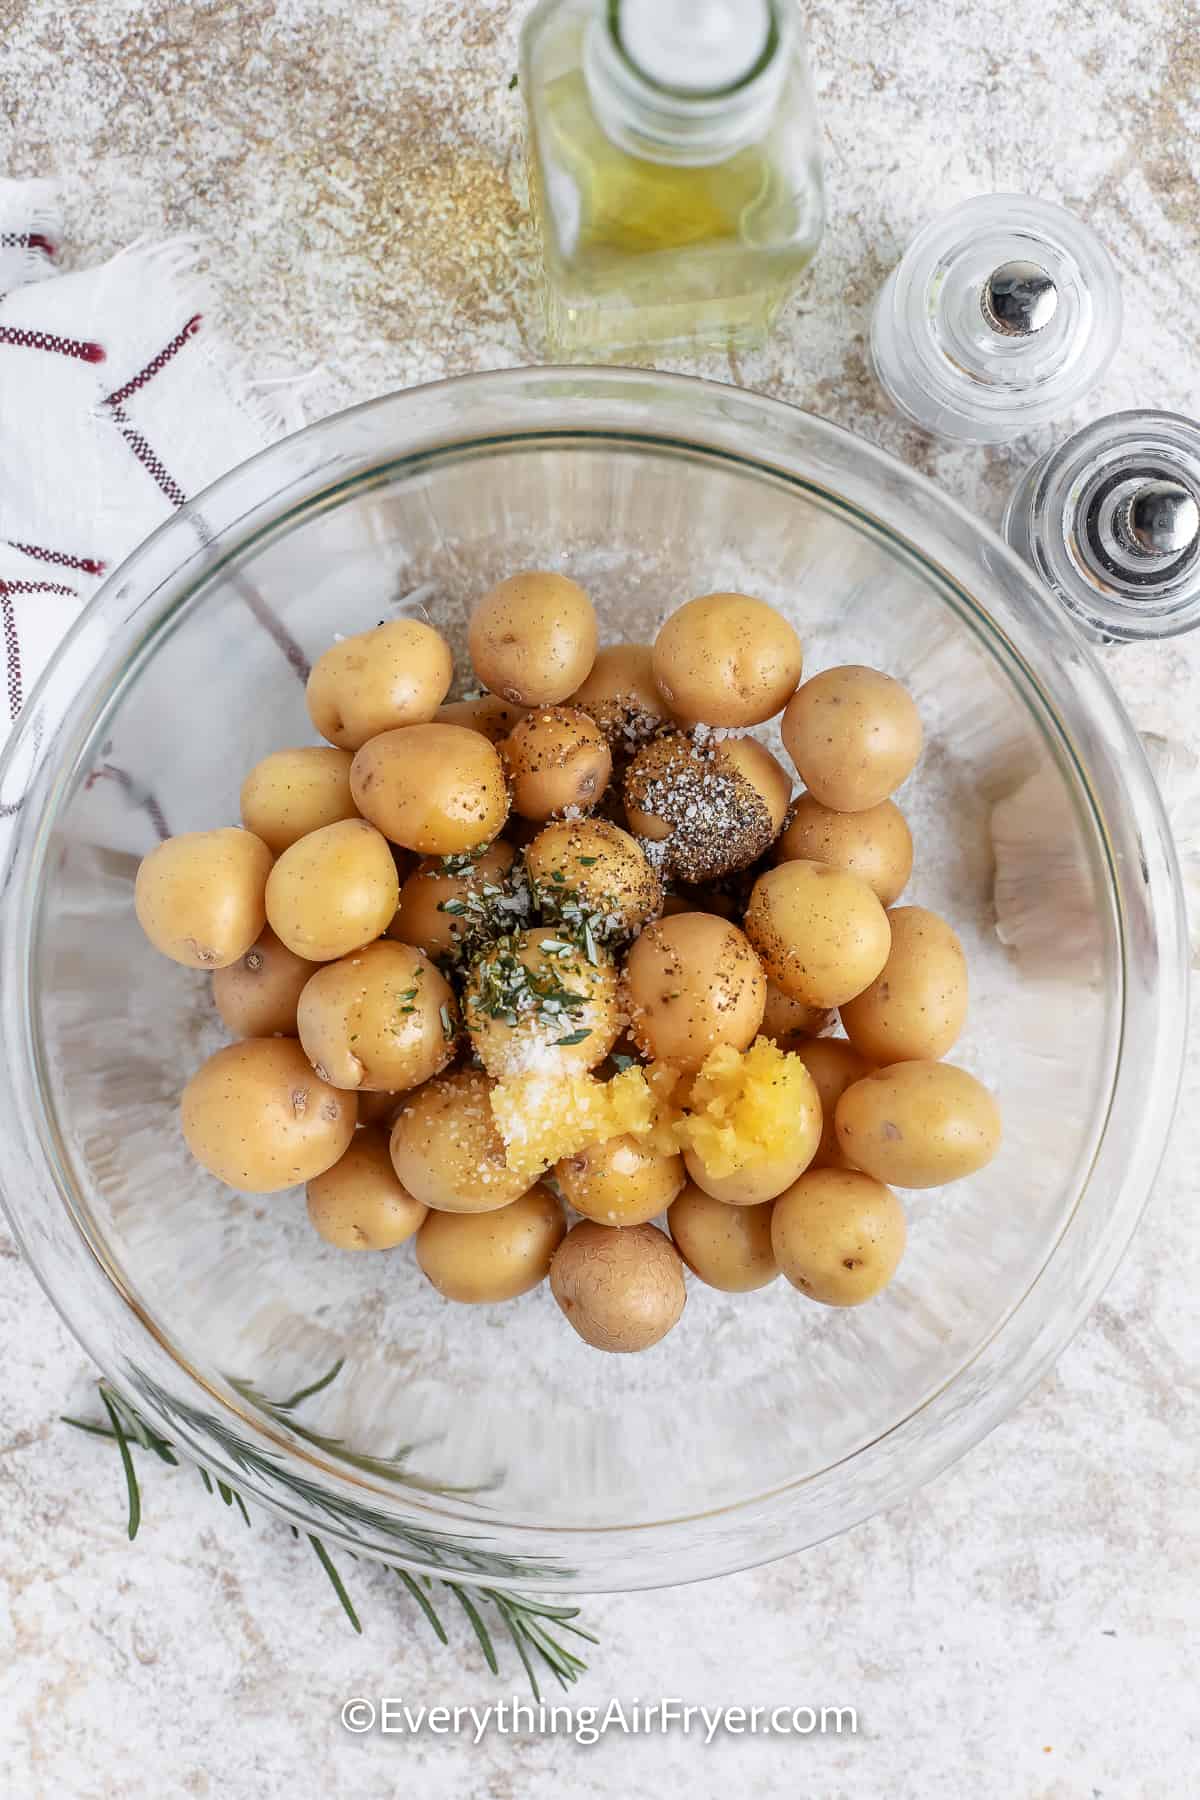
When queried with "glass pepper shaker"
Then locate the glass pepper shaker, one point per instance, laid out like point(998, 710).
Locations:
point(674, 168)
point(1001, 315)
point(1111, 523)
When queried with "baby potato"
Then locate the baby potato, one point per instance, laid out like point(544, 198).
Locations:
point(821, 933)
point(726, 659)
point(333, 891)
point(446, 1149)
point(854, 735)
point(620, 1290)
point(396, 674)
point(753, 1124)
point(693, 982)
point(765, 773)
point(711, 810)
point(838, 1236)
point(489, 715)
point(259, 1119)
point(785, 1019)
point(622, 696)
point(257, 995)
point(376, 1109)
point(593, 864)
point(620, 1181)
point(728, 1247)
point(533, 638)
point(557, 759)
point(914, 1009)
point(438, 881)
point(383, 1019)
point(536, 1001)
point(481, 1257)
point(875, 844)
point(359, 1204)
point(199, 897)
point(834, 1066)
point(292, 792)
point(918, 1124)
point(436, 789)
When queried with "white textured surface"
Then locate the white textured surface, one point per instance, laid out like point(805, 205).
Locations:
point(1023, 1627)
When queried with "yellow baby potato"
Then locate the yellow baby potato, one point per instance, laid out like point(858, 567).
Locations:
point(918, 1124)
point(875, 844)
point(358, 1204)
point(620, 1181)
point(838, 1236)
point(258, 1118)
point(537, 1002)
point(557, 760)
point(821, 933)
point(435, 789)
point(257, 996)
point(438, 883)
point(478, 1258)
point(622, 1291)
point(834, 1066)
point(447, 1151)
point(753, 1126)
point(765, 773)
point(787, 1020)
point(854, 735)
point(593, 864)
point(693, 982)
point(199, 897)
point(396, 674)
point(727, 660)
point(333, 891)
point(383, 1019)
point(708, 811)
point(622, 696)
point(292, 792)
point(533, 638)
point(491, 716)
point(915, 1008)
point(728, 1247)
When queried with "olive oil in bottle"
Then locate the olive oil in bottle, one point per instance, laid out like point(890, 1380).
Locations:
point(675, 170)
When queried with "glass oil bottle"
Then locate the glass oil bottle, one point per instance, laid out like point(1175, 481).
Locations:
point(675, 170)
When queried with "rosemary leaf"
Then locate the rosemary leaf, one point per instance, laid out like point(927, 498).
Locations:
point(326, 1562)
point(480, 1629)
point(424, 1603)
point(131, 1480)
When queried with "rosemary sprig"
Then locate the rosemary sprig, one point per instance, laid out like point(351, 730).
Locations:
point(525, 1617)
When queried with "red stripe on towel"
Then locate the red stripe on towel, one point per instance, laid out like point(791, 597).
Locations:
point(78, 348)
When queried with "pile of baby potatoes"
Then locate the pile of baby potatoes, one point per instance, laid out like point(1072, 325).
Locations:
point(516, 975)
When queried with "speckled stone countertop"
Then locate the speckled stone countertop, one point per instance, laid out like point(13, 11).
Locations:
point(1025, 1626)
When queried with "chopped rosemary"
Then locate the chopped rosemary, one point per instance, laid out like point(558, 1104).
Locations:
point(504, 988)
point(622, 1061)
point(574, 1037)
point(447, 1024)
point(586, 862)
point(461, 862)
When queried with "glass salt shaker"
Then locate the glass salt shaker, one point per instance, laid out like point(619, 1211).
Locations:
point(1111, 523)
point(675, 170)
point(1000, 316)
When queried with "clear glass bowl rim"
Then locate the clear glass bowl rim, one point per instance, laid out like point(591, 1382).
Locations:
point(1058, 678)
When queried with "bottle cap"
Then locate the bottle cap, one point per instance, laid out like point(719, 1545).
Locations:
point(1001, 315)
point(1111, 522)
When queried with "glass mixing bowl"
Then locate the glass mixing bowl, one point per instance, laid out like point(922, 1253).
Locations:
point(490, 1442)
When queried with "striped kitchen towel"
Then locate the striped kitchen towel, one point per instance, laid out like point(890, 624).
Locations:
point(119, 400)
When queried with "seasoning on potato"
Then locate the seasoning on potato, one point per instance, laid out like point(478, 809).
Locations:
point(200, 897)
point(838, 1236)
point(383, 1018)
point(620, 1181)
point(533, 638)
point(821, 933)
point(358, 1203)
point(693, 982)
point(591, 874)
point(257, 996)
point(535, 1000)
point(728, 1247)
point(875, 844)
point(435, 789)
point(622, 696)
point(834, 1066)
point(292, 792)
point(918, 1124)
point(396, 674)
point(446, 1149)
point(622, 1291)
point(916, 1006)
point(854, 736)
point(258, 1118)
point(726, 660)
point(442, 900)
point(480, 1258)
point(333, 891)
point(704, 810)
point(488, 714)
point(557, 761)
